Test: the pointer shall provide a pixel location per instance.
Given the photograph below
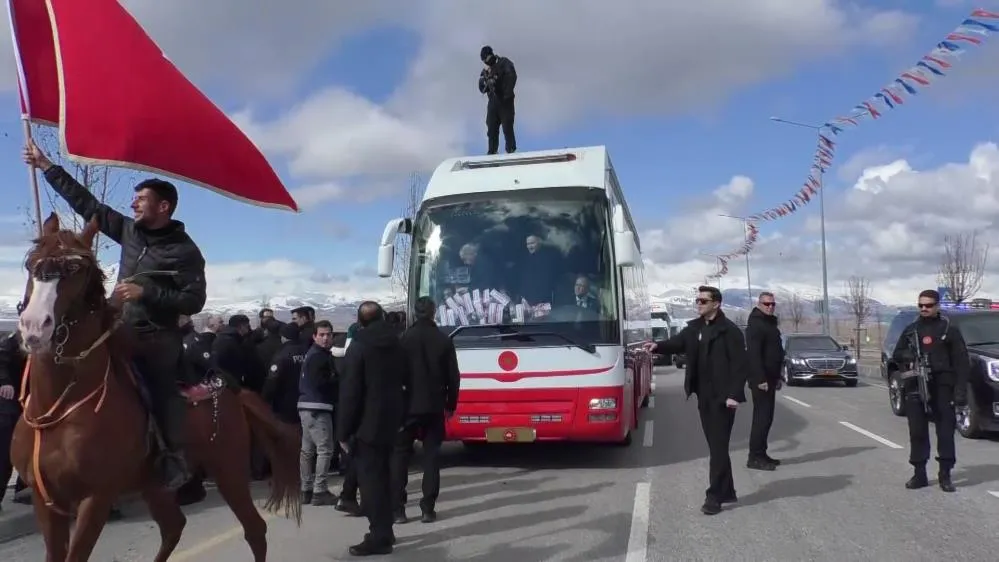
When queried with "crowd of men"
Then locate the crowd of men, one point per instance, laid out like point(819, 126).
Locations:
point(722, 361)
point(360, 411)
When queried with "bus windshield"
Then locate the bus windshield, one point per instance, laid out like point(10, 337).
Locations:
point(519, 268)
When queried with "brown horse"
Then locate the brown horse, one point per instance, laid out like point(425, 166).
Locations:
point(84, 438)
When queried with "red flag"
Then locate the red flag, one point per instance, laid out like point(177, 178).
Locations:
point(124, 104)
point(34, 51)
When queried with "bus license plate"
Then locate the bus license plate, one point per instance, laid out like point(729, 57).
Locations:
point(511, 435)
point(827, 372)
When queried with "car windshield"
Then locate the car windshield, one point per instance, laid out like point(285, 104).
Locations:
point(535, 263)
point(980, 329)
point(812, 343)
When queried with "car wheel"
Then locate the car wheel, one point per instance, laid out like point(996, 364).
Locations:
point(970, 426)
point(895, 395)
point(851, 383)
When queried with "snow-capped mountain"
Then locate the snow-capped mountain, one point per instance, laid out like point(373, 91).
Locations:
point(738, 300)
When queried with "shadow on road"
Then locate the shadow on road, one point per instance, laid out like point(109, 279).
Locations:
point(837, 453)
point(802, 487)
point(976, 474)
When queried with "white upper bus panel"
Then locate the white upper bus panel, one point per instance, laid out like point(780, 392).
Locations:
point(567, 167)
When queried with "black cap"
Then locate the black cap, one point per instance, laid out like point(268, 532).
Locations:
point(290, 331)
point(485, 53)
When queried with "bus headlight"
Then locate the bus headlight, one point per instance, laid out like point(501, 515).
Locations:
point(603, 403)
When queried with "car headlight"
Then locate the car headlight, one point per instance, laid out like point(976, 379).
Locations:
point(992, 369)
point(797, 361)
point(851, 360)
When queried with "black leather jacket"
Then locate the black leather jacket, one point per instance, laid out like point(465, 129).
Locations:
point(143, 252)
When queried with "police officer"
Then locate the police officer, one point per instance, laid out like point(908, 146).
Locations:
point(949, 366)
point(281, 385)
point(497, 81)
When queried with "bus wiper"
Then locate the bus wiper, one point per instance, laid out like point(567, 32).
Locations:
point(587, 347)
point(505, 330)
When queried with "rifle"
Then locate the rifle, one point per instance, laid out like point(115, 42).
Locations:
point(921, 369)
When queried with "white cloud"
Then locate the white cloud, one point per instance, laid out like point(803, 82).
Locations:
point(573, 58)
point(887, 227)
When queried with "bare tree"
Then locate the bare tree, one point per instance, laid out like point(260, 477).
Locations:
point(858, 297)
point(795, 310)
point(403, 244)
point(962, 266)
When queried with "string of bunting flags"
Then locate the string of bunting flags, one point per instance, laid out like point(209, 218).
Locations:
point(972, 32)
point(752, 234)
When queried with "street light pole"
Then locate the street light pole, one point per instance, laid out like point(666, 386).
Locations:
point(745, 226)
point(822, 227)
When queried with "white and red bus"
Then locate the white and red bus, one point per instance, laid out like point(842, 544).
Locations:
point(535, 265)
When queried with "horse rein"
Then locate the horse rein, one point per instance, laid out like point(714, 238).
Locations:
point(61, 335)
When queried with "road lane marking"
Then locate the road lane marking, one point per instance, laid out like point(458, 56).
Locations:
point(647, 434)
point(873, 436)
point(877, 385)
point(638, 540)
point(204, 546)
point(796, 401)
point(996, 494)
point(652, 401)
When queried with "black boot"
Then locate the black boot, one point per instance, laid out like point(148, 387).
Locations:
point(919, 478)
point(943, 478)
point(172, 463)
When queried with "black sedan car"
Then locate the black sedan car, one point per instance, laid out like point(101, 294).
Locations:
point(980, 329)
point(815, 357)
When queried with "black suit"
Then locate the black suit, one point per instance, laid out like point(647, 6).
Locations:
point(372, 410)
point(716, 359)
point(433, 390)
point(766, 355)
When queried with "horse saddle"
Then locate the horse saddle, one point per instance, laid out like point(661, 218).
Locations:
point(193, 393)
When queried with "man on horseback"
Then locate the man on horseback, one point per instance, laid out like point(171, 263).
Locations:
point(161, 276)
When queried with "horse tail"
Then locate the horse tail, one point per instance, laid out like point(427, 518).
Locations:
point(281, 443)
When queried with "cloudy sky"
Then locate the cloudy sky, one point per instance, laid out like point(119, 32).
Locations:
point(348, 99)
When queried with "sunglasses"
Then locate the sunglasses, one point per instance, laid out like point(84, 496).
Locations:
point(768, 304)
point(703, 301)
point(927, 306)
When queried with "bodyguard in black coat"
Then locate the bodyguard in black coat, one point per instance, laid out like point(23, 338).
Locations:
point(431, 396)
point(372, 410)
point(716, 373)
point(766, 356)
point(12, 361)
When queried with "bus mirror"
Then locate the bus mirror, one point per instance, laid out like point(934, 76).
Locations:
point(624, 248)
point(618, 222)
point(386, 249)
point(386, 259)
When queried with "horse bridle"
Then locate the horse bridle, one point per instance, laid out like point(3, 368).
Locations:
point(54, 269)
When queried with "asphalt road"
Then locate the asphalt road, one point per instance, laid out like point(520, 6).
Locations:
point(838, 496)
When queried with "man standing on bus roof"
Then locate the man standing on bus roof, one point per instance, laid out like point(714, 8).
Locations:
point(716, 359)
point(766, 356)
point(497, 80)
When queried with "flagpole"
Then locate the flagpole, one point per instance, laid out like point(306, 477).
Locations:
point(33, 178)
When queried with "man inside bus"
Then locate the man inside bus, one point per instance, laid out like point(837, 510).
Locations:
point(537, 271)
point(477, 271)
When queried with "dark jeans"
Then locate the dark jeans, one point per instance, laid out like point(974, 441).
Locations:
point(373, 475)
point(500, 114)
point(764, 403)
point(716, 422)
point(7, 423)
point(159, 359)
point(943, 417)
point(431, 429)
